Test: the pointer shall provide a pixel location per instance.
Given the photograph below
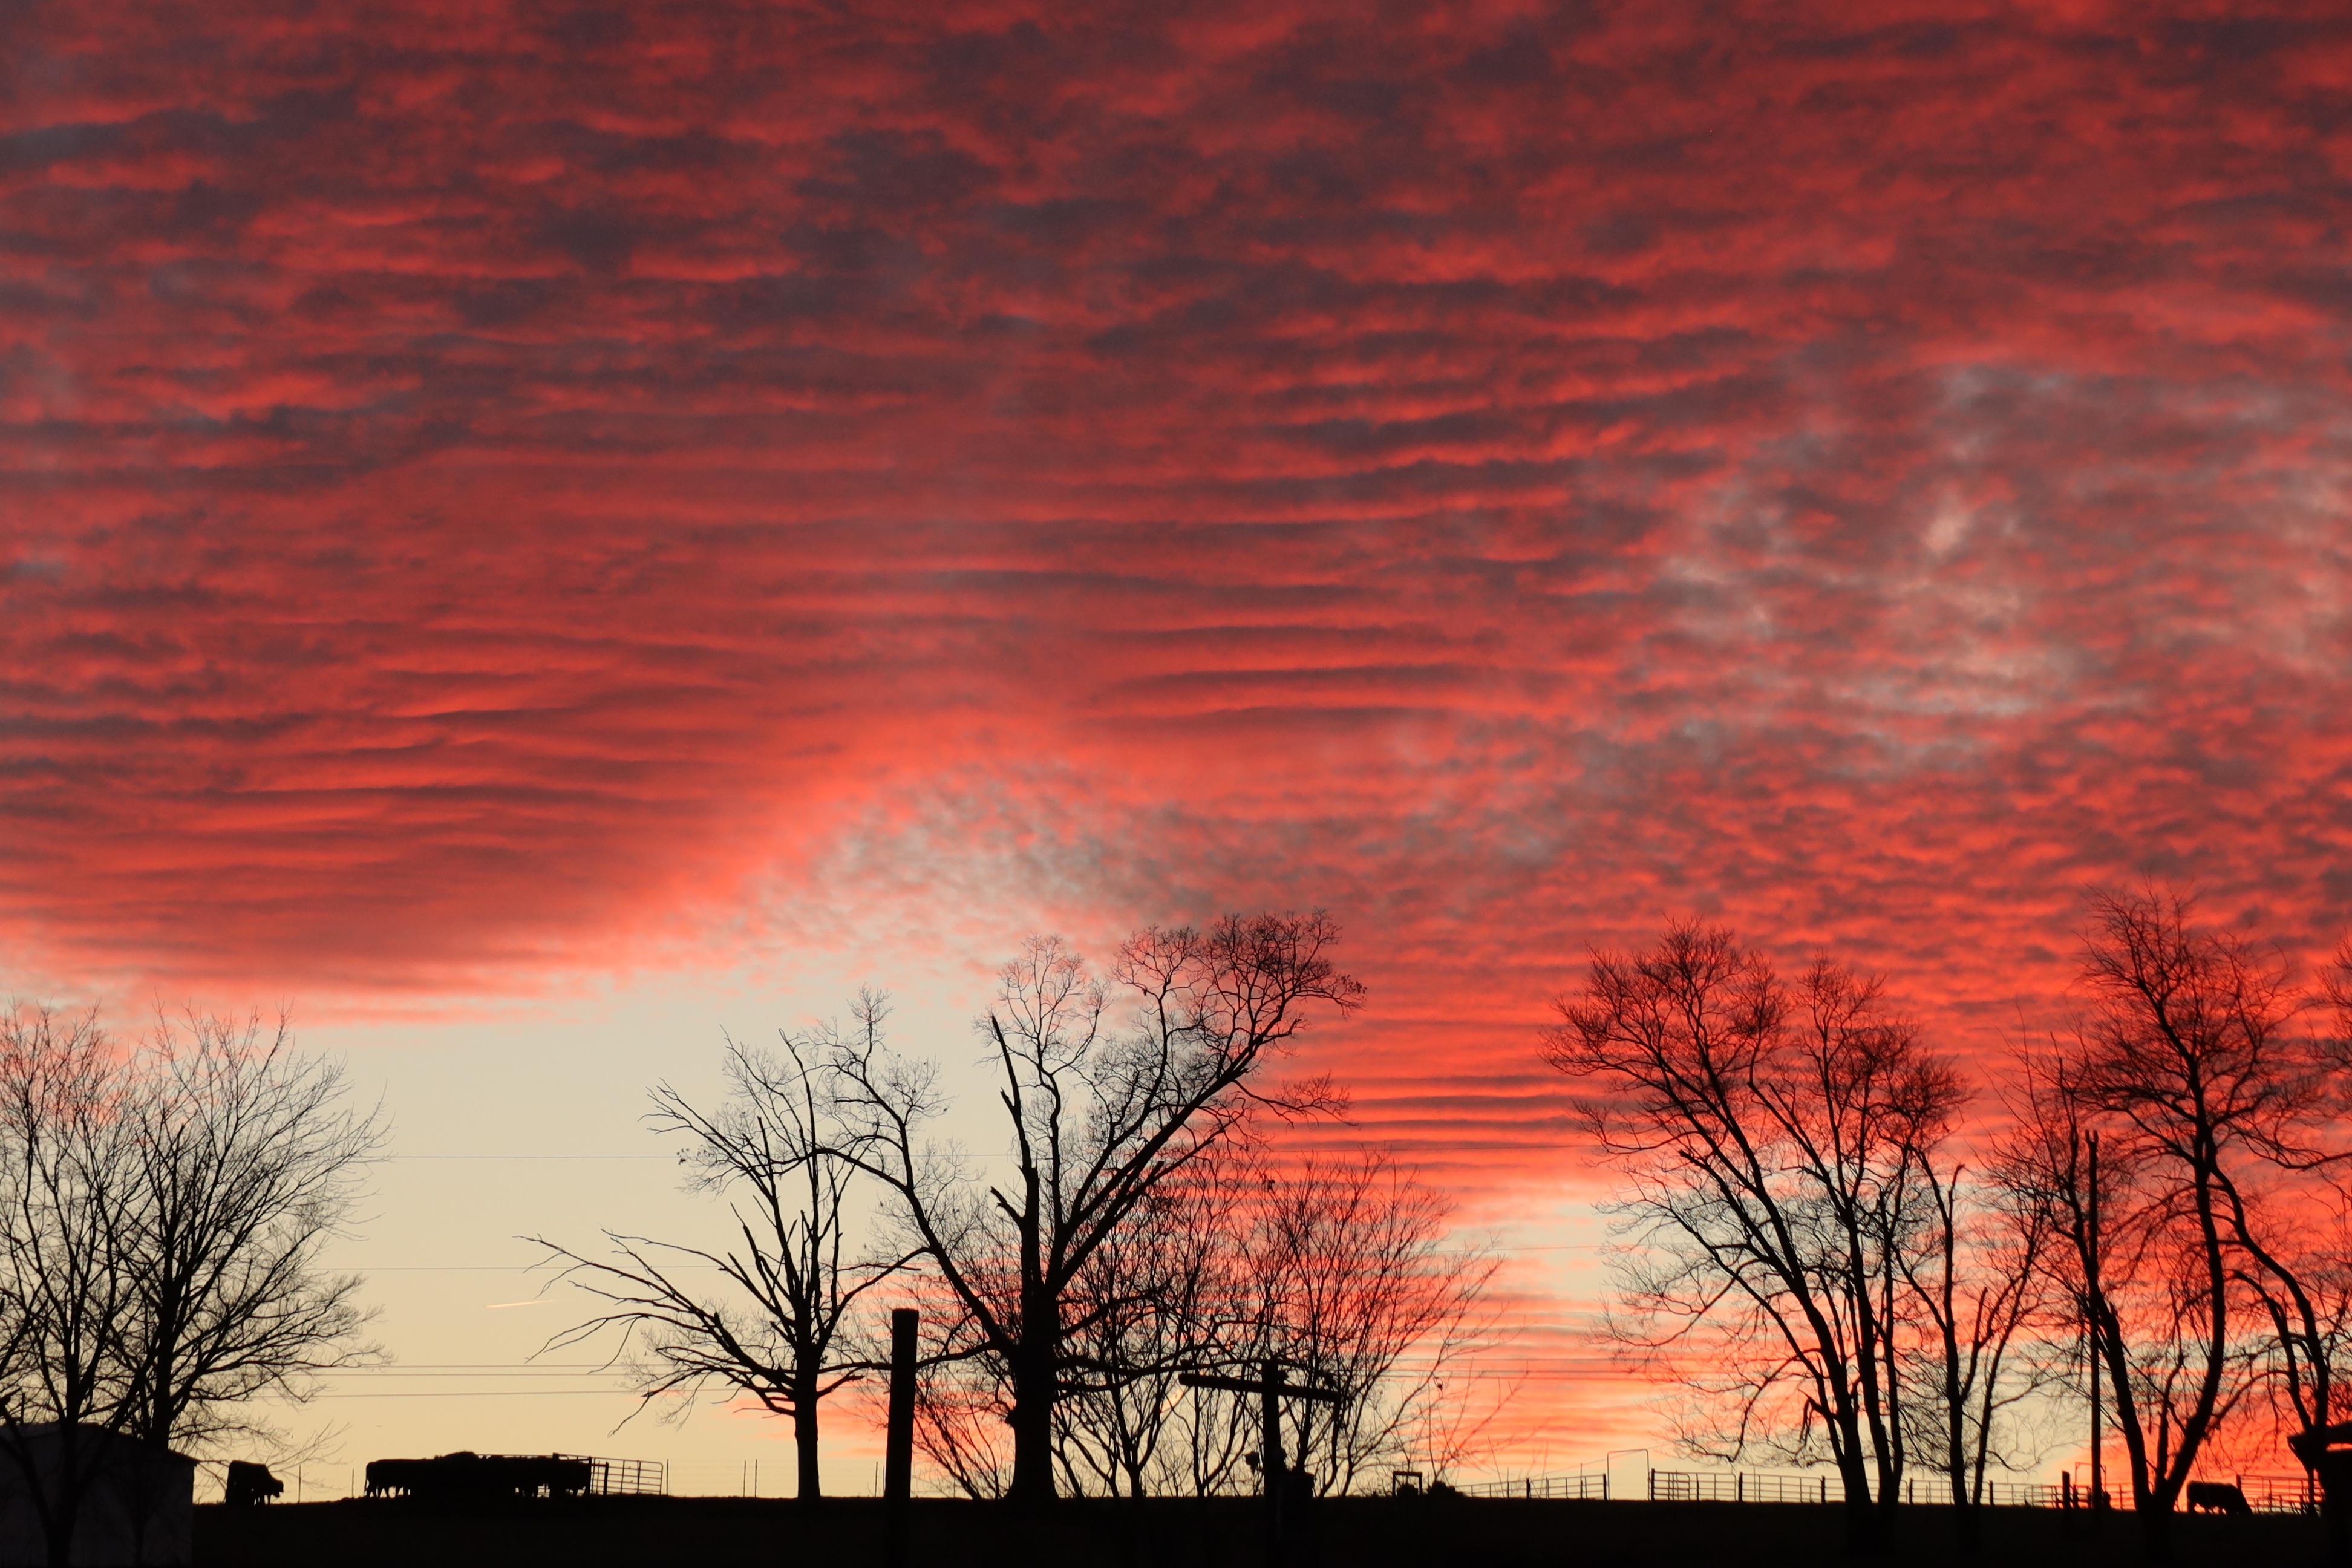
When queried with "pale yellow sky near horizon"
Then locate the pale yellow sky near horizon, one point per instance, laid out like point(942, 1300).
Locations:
point(527, 1121)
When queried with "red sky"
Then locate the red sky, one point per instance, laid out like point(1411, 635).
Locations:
point(490, 491)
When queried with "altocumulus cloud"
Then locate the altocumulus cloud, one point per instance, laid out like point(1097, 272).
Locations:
point(478, 483)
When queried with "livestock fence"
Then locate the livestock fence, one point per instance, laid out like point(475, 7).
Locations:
point(629, 1478)
point(2263, 1494)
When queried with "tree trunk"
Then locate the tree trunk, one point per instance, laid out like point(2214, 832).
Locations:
point(1865, 1525)
point(1967, 1521)
point(1967, 1526)
point(1034, 1374)
point(64, 1512)
point(810, 1486)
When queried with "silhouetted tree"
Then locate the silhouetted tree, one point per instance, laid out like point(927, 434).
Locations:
point(2143, 1314)
point(1151, 1304)
point(162, 1211)
point(964, 1422)
point(1353, 1285)
point(2303, 1273)
point(1104, 1102)
point(66, 1285)
point(1338, 1268)
point(1772, 1136)
point(2188, 1065)
point(249, 1161)
point(1977, 1276)
point(780, 1332)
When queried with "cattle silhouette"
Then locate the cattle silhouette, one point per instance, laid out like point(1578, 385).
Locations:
point(476, 1478)
point(2217, 1496)
point(251, 1485)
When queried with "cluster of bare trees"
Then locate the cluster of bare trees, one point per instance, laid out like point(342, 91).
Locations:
point(163, 1209)
point(1839, 1241)
point(1338, 1268)
point(1845, 1248)
point(1131, 1227)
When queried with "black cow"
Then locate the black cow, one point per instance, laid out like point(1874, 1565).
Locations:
point(2217, 1496)
point(250, 1486)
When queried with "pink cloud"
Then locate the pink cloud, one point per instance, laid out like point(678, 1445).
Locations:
point(478, 484)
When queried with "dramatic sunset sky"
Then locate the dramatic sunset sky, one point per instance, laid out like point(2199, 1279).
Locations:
point(529, 533)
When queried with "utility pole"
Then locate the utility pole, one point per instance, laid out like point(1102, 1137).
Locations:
point(2097, 1339)
point(899, 1441)
point(898, 1444)
point(1284, 1512)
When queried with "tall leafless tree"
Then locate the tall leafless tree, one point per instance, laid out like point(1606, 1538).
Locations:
point(1338, 1268)
point(1981, 1288)
point(2303, 1276)
point(2188, 1066)
point(65, 1287)
point(249, 1161)
point(1352, 1283)
point(1151, 1304)
point(779, 1331)
point(1771, 1136)
point(963, 1421)
point(166, 1210)
point(1109, 1091)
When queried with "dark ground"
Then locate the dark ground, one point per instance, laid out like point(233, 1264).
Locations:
point(1376, 1532)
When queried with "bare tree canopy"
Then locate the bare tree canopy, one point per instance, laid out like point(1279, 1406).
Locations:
point(2204, 1254)
point(1156, 1299)
point(66, 1288)
point(1771, 1135)
point(1350, 1282)
point(781, 1330)
point(165, 1210)
point(1110, 1089)
point(1979, 1281)
point(1336, 1267)
point(249, 1161)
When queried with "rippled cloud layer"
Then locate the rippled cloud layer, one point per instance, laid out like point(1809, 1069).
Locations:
point(483, 484)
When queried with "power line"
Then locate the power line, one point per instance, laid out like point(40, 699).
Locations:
point(533, 1268)
point(669, 1157)
point(487, 1394)
point(455, 1366)
point(476, 1267)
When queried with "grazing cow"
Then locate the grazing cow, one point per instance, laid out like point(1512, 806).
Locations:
point(2216, 1496)
point(250, 1486)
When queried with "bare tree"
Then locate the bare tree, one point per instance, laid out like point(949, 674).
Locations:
point(1338, 1269)
point(1149, 1305)
point(1981, 1290)
point(1210, 1447)
point(1353, 1284)
point(963, 1423)
point(2186, 1068)
point(2303, 1273)
point(780, 1333)
point(1103, 1105)
point(249, 1160)
point(160, 1250)
point(65, 1287)
point(1771, 1139)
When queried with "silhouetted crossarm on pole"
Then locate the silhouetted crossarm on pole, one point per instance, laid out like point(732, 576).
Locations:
point(1257, 1385)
